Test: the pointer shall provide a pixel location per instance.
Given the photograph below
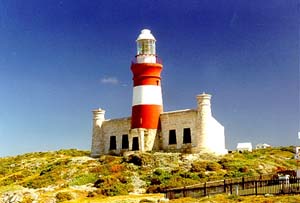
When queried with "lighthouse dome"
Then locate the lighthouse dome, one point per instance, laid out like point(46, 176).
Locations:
point(145, 34)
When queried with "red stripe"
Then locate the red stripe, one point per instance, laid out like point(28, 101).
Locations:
point(146, 81)
point(146, 73)
point(146, 116)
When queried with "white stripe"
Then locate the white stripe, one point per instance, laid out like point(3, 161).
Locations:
point(147, 94)
point(146, 59)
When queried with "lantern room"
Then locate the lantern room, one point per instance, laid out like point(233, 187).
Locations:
point(146, 47)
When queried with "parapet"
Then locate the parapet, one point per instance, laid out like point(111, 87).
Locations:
point(203, 103)
point(99, 114)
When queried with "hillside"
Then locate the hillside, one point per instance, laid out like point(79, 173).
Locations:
point(72, 175)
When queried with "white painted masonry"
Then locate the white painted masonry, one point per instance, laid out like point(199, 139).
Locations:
point(206, 133)
point(147, 94)
point(146, 59)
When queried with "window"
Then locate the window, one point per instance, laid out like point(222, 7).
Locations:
point(187, 136)
point(113, 143)
point(172, 137)
point(146, 46)
point(135, 144)
point(125, 143)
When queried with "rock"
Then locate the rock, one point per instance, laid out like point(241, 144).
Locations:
point(81, 159)
point(12, 197)
point(88, 187)
point(138, 184)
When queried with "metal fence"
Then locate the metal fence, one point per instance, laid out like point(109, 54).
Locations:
point(241, 186)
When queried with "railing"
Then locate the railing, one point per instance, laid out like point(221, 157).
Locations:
point(241, 186)
point(158, 60)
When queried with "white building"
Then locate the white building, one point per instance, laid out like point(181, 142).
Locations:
point(245, 146)
point(188, 131)
point(262, 146)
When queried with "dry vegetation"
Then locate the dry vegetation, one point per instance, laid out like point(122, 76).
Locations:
point(71, 175)
point(243, 199)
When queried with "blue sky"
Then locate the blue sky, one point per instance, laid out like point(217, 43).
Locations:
point(61, 59)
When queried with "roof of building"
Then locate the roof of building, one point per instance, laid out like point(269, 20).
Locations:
point(178, 111)
point(244, 145)
point(263, 144)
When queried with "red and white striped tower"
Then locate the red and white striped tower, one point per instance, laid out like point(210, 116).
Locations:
point(147, 96)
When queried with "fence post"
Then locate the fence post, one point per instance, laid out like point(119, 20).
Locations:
point(205, 190)
point(256, 187)
point(224, 186)
point(243, 183)
point(237, 189)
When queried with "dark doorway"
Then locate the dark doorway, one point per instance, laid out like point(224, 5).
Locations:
point(125, 142)
point(135, 144)
point(113, 143)
point(187, 136)
point(172, 137)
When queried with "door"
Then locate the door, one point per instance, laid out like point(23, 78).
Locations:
point(135, 144)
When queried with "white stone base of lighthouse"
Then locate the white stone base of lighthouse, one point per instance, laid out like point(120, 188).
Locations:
point(146, 138)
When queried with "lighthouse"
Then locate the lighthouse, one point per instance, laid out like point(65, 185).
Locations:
point(147, 102)
point(149, 128)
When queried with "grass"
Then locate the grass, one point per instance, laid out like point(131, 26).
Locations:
point(113, 174)
point(241, 199)
point(118, 199)
point(83, 179)
point(9, 188)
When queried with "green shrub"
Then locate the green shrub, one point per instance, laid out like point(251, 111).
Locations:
point(244, 169)
point(236, 198)
point(40, 182)
point(72, 152)
point(63, 196)
point(111, 186)
point(189, 175)
point(213, 166)
point(160, 176)
point(115, 189)
point(288, 149)
point(199, 166)
point(135, 159)
point(50, 174)
point(10, 180)
point(83, 179)
point(27, 199)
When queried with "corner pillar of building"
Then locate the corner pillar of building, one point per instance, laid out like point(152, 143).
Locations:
point(97, 138)
point(203, 121)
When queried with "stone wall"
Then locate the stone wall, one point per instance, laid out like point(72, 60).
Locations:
point(178, 120)
point(115, 127)
point(205, 133)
